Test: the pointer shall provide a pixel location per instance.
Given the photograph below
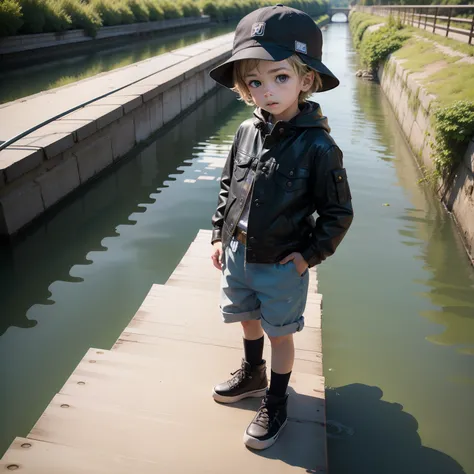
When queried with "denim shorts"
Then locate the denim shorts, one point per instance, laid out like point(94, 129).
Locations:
point(274, 293)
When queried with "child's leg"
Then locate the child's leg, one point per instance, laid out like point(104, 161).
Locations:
point(239, 304)
point(253, 342)
point(282, 292)
point(283, 356)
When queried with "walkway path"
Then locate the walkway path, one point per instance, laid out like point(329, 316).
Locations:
point(22, 114)
point(145, 406)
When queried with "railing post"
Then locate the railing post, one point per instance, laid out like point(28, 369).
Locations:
point(472, 31)
point(426, 17)
point(434, 21)
point(404, 16)
point(449, 21)
point(413, 17)
point(419, 18)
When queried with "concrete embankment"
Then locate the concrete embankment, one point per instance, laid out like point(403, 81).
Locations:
point(42, 168)
point(415, 82)
point(412, 104)
point(14, 45)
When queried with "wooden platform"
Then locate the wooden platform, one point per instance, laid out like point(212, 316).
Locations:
point(145, 406)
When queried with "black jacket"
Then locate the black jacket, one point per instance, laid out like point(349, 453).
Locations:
point(297, 170)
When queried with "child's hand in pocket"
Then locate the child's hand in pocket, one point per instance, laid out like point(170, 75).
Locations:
point(300, 263)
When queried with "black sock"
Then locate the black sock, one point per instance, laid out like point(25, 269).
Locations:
point(279, 384)
point(253, 351)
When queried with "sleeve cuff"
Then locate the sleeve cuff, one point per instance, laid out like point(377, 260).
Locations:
point(311, 257)
point(216, 235)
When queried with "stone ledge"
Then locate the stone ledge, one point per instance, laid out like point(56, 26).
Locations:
point(48, 164)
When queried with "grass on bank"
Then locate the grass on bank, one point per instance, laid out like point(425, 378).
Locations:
point(50, 16)
point(451, 43)
point(446, 77)
point(417, 55)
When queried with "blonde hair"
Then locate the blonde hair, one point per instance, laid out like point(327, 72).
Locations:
point(244, 66)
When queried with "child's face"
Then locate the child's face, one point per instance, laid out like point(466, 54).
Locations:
point(275, 87)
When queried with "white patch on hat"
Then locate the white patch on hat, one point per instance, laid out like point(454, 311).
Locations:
point(258, 29)
point(301, 47)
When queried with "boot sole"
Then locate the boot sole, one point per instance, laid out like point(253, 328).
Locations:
point(259, 444)
point(254, 394)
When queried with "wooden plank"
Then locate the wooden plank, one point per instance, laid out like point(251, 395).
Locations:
point(157, 386)
point(178, 445)
point(38, 457)
point(146, 405)
point(168, 304)
point(308, 340)
point(309, 362)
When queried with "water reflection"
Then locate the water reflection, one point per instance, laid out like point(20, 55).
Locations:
point(31, 79)
point(373, 437)
point(449, 278)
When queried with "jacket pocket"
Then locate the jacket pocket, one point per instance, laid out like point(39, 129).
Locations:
point(242, 165)
point(291, 179)
point(343, 192)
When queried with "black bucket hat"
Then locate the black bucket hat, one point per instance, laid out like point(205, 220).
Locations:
point(275, 33)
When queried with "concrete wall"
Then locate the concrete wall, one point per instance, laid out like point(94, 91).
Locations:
point(41, 169)
point(411, 105)
point(20, 43)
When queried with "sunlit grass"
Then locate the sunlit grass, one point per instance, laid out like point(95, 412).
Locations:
point(452, 83)
point(417, 54)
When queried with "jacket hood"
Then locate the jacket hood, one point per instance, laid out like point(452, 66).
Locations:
point(310, 116)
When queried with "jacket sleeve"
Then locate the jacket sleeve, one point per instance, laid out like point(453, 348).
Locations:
point(226, 178)
point(333, 205)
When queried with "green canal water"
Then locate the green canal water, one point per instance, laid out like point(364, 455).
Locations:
point(398, 323)
point(45, 75)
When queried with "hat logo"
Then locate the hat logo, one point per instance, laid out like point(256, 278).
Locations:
point(258, 29)
point(301, 47)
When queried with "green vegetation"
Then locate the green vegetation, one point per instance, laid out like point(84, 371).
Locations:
point(443, 75)
point(229, 9)
point(416, 2)
point(10, 17)
point(453, 83)
point(359, 22)
point(454, 127)
point(419, 54)
point(376, 46)
point(380, 44)
point(44, 16)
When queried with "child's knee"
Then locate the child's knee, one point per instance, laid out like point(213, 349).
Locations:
point(252, 323)
point(278, 340)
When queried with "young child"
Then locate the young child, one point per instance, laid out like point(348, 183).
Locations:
point(282, 168)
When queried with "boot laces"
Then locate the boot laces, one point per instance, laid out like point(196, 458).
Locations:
point(238, 376)
point(265, 415)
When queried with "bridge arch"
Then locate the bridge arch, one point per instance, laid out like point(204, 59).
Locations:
point(333, 11)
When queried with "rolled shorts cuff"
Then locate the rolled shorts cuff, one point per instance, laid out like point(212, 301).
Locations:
point(244, 316)
point(276, 331)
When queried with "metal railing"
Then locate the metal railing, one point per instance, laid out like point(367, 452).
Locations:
point(433, 18)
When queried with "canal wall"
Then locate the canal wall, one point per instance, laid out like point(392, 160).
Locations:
point(44, 167)
point(13, 45)
point(411, 104)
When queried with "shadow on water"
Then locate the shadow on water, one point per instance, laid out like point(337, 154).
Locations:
point(372, 436)
point(77, 227)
